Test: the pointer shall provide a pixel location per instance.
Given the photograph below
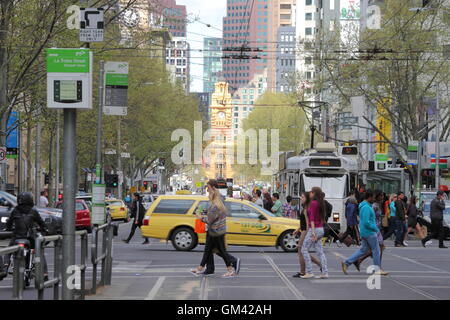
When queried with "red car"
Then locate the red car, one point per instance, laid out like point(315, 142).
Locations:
point(82, 214)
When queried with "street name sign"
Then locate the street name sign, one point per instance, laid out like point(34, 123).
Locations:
point(69, 78)
point(92, 24)
point(116, 89)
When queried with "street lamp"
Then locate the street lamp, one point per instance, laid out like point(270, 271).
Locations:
point(313, 105)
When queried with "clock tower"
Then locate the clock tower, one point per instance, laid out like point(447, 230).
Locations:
point(219, 165)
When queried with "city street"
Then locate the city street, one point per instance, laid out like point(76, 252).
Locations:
point(158, 272)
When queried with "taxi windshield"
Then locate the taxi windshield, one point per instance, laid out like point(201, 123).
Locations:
point(114, 203)
point(261, 208)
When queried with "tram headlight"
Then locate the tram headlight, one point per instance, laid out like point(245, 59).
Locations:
point(336, 217)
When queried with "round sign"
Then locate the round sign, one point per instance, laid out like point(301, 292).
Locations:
point(2, 154)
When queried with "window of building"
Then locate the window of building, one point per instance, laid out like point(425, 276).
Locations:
point(308, 16)
point(308, 31)
point(285, 6)
point(308, 2)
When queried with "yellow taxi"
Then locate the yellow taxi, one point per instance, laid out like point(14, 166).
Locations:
point(173, 218)
point(117, 209)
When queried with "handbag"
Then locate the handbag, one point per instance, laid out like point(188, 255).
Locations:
point(200, 226)
point(348, 240)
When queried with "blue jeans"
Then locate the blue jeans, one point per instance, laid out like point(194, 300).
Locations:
point(367, 243)
point(307, 244)
point(400, 231)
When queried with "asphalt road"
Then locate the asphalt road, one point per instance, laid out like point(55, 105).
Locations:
point(158, 272)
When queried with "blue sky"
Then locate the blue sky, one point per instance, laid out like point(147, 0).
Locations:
point(209, 12)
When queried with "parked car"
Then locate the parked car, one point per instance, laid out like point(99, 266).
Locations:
point(82, 214)
point(117, 209)
point(173, 218)
point(51, 216)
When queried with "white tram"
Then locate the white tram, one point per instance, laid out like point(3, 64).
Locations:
point(336, 174)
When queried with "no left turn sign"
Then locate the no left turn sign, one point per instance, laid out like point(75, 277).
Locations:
point(3, 155)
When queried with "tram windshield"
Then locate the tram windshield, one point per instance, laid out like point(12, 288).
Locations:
point(333, 185)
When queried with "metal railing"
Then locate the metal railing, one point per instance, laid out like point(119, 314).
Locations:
point(105, 257)
point(18, 275)
point(40, 284)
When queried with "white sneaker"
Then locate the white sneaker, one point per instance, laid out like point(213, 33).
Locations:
point(428, 243)
point(405, 243)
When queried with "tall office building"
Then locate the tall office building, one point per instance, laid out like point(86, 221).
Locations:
point(174, 17)
point(178, 59)
point(212, 63)
point(247, 22)
point(282, 19)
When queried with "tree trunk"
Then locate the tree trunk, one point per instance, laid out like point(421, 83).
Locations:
point(29, 175)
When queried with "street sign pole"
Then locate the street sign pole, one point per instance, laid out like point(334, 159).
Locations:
point(119, 159)
point(99, 169)
point(69, 167)
point(438, 149)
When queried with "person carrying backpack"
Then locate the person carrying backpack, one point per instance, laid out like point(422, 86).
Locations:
point(22, 221)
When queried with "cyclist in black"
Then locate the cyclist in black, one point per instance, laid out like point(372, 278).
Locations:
point(22, 221)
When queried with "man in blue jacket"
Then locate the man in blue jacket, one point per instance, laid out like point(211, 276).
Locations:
point(368, 230)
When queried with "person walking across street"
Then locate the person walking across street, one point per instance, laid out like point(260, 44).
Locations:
point(368, 228)
point(43, 201)
point(437, 208)
point(400, 212)
point(413, 214)
point(267, 201)
point(216, 220)
point(376, 206)
point(351, 214)
point(303, 230)
point(277, 207)
point(288, 210)
point(392, 217)
point(210, 266)
point(137, 217)
point(258, 200)
point(316, 219)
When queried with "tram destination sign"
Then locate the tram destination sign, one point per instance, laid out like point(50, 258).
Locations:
point(325, 163)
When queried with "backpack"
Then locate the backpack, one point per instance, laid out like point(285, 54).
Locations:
point(328, 210)
point(25, 221)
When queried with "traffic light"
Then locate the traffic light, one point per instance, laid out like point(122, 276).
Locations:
point(46, 178)
point(112, 180)
point(146, 185)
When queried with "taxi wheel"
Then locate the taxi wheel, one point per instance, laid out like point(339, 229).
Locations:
point(288, 242)
point(184, 239)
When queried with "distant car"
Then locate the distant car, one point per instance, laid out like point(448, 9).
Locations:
point(51, 216)
point(426, 215)
point(148, 199)
point(82, 214)
point(117, 209)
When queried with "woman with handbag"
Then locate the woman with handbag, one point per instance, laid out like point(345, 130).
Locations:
point(316, 219)
point(303, 230)
point(413, 214)
point(217, 228)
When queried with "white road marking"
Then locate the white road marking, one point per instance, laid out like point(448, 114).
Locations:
point(415, 289)
point(204, 289)
point(433, 287)
point(151, 295)
point(325, 281)
point(283, 277)
point(418, 263)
